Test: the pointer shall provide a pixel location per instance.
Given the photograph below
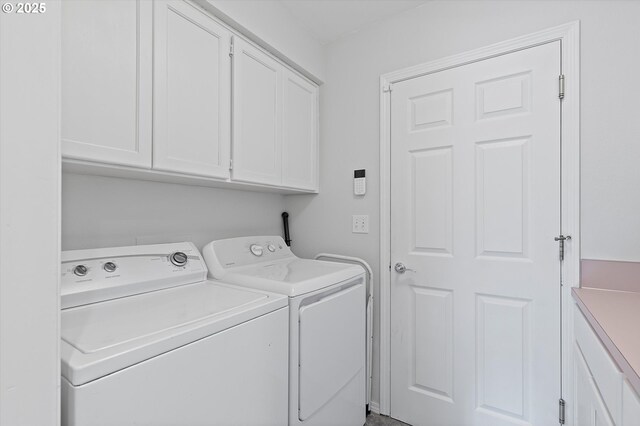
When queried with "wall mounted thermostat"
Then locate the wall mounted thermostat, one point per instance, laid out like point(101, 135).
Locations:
point(359, 182)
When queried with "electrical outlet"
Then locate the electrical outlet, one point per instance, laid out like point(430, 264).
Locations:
point(360, 224)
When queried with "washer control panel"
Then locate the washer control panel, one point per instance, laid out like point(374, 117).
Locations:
point(96, 275)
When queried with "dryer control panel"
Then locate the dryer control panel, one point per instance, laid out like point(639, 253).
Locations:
point(96, 275)
point(244, 251)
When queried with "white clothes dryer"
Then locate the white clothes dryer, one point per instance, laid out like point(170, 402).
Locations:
point(147, 340)
point(326, 323)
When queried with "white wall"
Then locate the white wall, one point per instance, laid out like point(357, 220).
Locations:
point(108, 212)
point(29, 218)
point(274, 24)
point(350, 117)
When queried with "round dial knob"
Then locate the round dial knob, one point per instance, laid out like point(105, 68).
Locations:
point(110, 267)
point(178, 258)
point(271, 248)
point(256, 250)
point(80, 270)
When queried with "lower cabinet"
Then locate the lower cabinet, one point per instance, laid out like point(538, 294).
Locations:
point(602, 395)
point(590, 409)
point(630, 405)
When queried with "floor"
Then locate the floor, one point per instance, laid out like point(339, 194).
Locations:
point(379, 420)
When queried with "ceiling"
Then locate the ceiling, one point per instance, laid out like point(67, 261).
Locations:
point(329, 20)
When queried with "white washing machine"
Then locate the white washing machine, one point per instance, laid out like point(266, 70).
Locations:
point(326, 324)
point(147, 340)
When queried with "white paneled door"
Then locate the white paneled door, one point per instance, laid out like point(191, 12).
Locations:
point(475, 207)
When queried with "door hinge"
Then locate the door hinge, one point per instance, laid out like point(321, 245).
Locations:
point(231, 164)
point(387, 88)
point(231, 48)
point(561, 240)
point(561, 87)
point(561, 411)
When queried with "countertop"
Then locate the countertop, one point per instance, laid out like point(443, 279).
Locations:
point(615, 317)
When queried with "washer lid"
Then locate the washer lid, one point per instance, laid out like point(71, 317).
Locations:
point(292, 276)
point(102, 338)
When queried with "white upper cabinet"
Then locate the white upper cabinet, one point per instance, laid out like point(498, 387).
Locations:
point(151, 85)
point(192, 84)
point(257, 114)
point(275, 122)
point(106, 81)
point(299, 133)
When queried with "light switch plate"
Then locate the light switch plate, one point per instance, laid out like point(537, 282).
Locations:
point(360, 224)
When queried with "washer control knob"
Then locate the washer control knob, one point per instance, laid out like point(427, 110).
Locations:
point(178, 258)
point(256, 249)
point(110, 267)
point(80, 270)
point(271, 248)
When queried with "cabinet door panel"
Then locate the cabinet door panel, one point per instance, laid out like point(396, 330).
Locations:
point(192, 92)
point(589, 407)
point(106, 81)
point(630, 405)
point(300, 133)
point(604, 370)
point(257, 109)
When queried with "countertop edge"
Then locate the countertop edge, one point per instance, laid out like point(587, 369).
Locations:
point(630, 374)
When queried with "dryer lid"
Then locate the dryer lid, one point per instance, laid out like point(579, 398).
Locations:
point(102, 338)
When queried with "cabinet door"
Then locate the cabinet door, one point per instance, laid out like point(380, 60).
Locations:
point(257, 115)
point(299, 133)
point(589, 407)
point(191, 91)
point(630, 405)
point(106, 81)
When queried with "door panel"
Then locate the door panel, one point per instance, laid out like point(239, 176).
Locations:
point(475, 207)
point(502, 350)
point(192, 91)
point(501, 198)
point(432, 197)
point(432, 342)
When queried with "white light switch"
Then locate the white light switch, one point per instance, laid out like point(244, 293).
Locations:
point(360, 224)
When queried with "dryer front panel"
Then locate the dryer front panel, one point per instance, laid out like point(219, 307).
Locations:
point(331, 348)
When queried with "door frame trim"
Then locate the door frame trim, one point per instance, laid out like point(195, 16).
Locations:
point(569, 37)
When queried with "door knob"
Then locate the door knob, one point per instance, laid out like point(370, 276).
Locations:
point(401, 269)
